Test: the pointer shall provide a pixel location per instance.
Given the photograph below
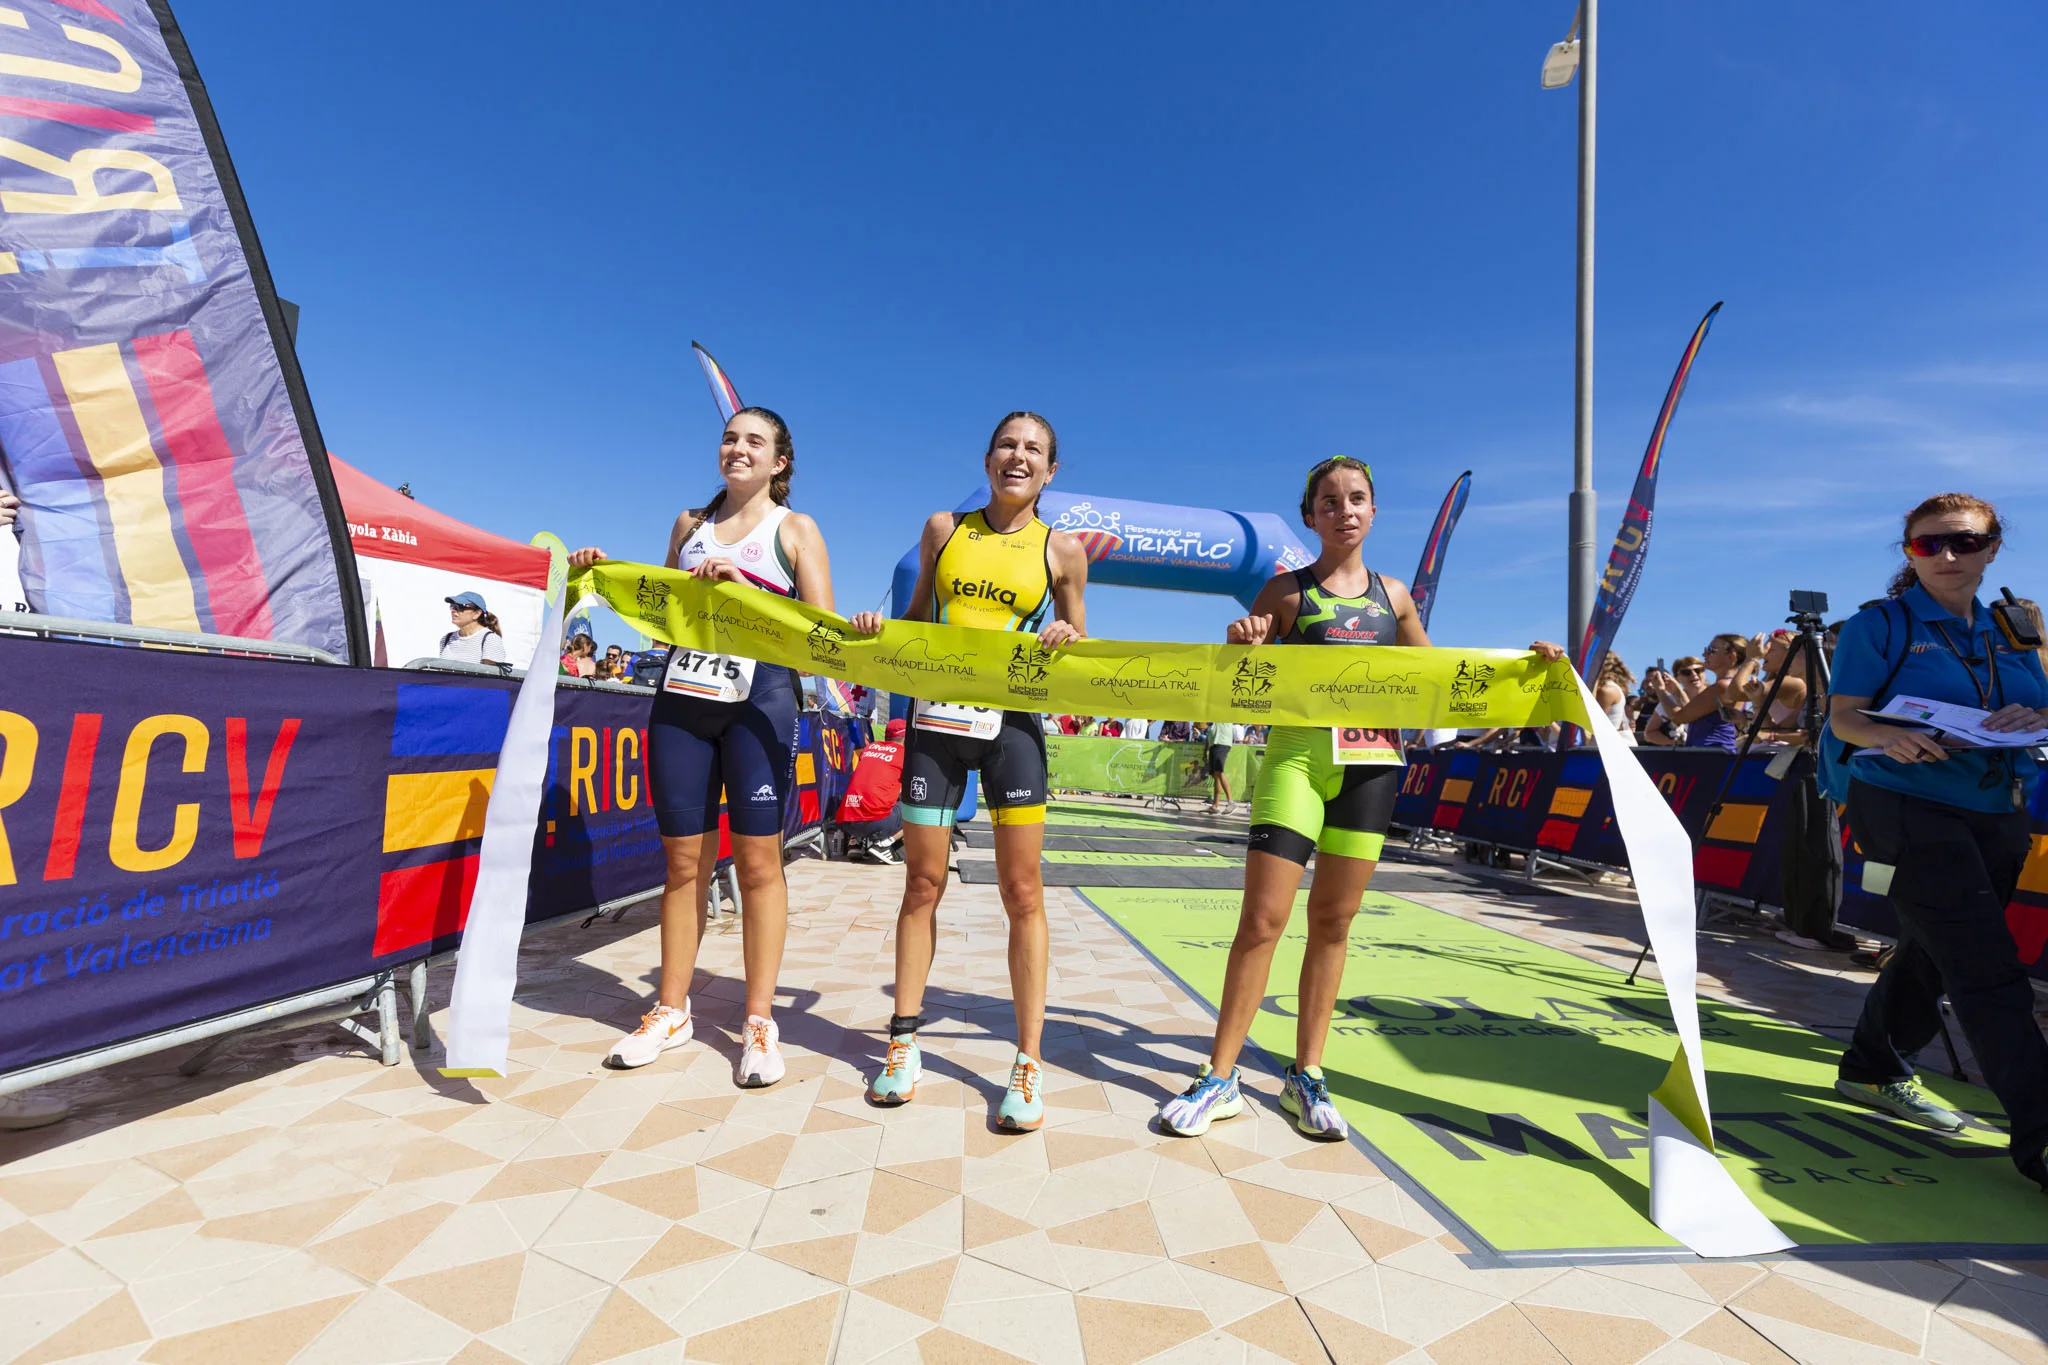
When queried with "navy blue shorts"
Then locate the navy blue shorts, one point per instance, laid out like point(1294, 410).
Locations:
point(747, 749)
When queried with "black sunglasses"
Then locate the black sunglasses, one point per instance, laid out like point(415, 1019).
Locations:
point(1962, 542)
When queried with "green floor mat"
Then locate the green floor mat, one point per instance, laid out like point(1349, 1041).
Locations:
point(1508, 1080)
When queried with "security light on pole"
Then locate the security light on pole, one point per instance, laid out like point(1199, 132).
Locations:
point(1562, 62)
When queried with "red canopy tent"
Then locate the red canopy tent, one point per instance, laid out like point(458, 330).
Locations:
point(412, 559)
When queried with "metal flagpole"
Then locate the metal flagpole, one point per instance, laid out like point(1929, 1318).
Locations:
point(1583, 581)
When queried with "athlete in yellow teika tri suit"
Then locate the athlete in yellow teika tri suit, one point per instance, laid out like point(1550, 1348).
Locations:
point(1000, 568)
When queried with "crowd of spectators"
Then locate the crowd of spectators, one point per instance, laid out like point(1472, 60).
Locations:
point(1707, 700)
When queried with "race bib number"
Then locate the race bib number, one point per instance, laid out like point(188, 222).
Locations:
point(968, 722)
point(1351, 746)
point(708, 677)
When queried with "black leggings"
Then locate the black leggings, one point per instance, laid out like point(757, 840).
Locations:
point(1954, 870)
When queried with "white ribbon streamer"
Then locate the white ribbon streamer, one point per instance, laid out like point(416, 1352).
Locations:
point(1692, 1196)
point(487, 966)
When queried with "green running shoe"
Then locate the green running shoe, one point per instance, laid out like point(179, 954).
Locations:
point(900, 1070)
point(1904, 1099)
point(1023, 1106)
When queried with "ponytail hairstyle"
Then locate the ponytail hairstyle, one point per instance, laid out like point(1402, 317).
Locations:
point(1323, 471)
point(1052, 442)
point(778, 483)
point(1741, 646)
point(1940, 503)
point(489, 623)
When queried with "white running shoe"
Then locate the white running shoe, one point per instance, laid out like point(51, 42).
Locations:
point(761, 1060)
point(23, 1110)
point(661, 1028)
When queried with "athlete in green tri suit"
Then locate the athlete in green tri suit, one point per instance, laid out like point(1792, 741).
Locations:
point(1321, 791)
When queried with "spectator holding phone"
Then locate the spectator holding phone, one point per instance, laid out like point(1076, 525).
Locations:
point(1708, 708)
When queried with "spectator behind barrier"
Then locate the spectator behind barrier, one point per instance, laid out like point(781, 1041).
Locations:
point(1783, 724)
point(1944, 833)
point(476, 638)
point(581, 659)
point(1611, 691)
point(1709, 710)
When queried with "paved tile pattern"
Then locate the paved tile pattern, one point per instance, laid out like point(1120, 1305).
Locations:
point(302, 1203)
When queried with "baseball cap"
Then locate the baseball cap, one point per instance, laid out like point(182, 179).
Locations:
point(895, 729)
point(467, 599)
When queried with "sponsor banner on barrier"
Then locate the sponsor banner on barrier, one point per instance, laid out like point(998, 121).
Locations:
point(1740, 850)
point(1145, 767)
point(1560, 804)
point(183, 835)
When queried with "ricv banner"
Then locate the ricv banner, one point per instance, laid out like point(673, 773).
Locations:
point(152, 414)
point(237, 830)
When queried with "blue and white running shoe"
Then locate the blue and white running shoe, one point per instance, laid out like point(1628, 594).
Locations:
point(1306, 1095)
point(1211, 1097)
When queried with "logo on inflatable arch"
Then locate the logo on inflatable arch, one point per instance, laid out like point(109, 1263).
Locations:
point(1101, 536)
point(1105, 533)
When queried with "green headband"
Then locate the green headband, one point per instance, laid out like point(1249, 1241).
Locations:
point(1331, 466)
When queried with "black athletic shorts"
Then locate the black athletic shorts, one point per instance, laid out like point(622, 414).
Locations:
point(1012, 768)
point(744, 749)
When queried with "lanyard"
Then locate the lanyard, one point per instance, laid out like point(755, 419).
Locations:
point(1997, 767)
point(1984, 693)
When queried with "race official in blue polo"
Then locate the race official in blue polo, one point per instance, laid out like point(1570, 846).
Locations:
point(1945, 832)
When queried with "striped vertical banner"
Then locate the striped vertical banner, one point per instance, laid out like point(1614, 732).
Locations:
point(1632, 542)
point(119, 450)
point(722, 392)
point(1431, 566)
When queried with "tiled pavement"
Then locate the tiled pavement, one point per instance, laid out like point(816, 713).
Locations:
point(302, 1203)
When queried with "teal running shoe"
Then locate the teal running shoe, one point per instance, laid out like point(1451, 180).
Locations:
point(900, 1070)
point(1306, 1095)
point(1211, 1097)
point(1023, 1107)
point(1905, 1099)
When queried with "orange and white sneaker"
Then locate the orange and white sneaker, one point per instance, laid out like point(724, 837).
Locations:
point(661, 1028)
point(761, 1059)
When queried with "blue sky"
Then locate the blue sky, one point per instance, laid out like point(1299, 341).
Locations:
point(1213, 243)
